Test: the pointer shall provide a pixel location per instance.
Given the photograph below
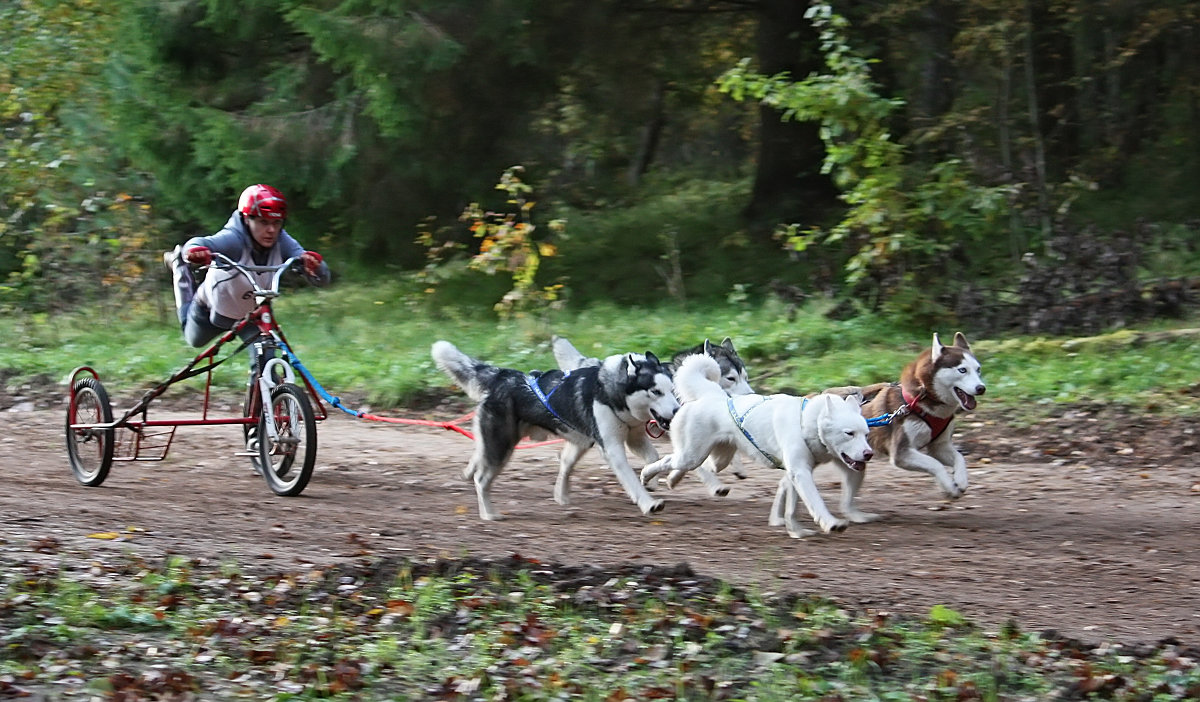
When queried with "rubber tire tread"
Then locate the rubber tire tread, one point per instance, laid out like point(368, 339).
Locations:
point(93, 386)
point(309, 423)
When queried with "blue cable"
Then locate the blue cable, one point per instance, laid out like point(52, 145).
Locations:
point(334, 401)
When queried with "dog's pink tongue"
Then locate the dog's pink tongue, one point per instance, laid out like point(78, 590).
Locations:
point(969, 402)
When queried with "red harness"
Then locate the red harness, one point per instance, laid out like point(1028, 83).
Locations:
point(937, 425)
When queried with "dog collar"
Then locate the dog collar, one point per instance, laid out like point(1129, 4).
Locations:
point(937, 425)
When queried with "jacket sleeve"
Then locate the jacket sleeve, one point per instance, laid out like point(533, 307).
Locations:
point(228, 241)
point(289, 247)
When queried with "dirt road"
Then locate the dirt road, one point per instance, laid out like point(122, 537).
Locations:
point(1086, 524)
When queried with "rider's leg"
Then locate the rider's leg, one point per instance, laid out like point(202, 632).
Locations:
point(183, 283)
point(198, 324)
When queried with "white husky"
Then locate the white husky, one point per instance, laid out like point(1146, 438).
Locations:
point(793, 433)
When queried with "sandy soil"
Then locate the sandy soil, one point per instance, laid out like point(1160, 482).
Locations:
point(1086, 524)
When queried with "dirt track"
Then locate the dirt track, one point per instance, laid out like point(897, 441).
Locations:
point(1075, 525)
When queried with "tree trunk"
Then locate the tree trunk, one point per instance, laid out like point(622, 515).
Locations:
point(650, 135)
point(935, 92)
point(788, 183)
point(1035, 127)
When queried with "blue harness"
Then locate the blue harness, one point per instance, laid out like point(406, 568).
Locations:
point(740, 419)
point(545, 397)
point(885, 419)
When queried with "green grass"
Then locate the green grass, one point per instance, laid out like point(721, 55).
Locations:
point(479, 630)
point(370, 343)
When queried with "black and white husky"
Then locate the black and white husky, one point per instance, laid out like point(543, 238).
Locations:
point(608, 404)
point(734, 378)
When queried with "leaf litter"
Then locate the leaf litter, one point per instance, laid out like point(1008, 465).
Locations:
point(514, 628)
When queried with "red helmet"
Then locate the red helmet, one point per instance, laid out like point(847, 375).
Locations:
point(262, 201)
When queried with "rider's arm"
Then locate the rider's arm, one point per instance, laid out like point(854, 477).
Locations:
point(289, 247)
point(229, 241)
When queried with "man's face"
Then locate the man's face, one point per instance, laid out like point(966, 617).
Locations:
point(264, 231)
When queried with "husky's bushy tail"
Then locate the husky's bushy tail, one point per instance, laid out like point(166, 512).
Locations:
point(471, 375)
point(698, 377)
point(568, 357)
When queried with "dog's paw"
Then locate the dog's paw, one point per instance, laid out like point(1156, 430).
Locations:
point(653, 507)
point(674, 478)
point(863, 517)
point(834, 526)
point(952, 492)
point(797, 532)
point(719, 491)
point(740, 474)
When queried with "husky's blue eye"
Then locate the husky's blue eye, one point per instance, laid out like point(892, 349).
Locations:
point(962, 370)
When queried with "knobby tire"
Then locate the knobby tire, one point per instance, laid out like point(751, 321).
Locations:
point(90, 451)
point(296, 428)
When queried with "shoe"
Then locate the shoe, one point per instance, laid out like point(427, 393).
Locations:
point(252, 449)
point(171, 258)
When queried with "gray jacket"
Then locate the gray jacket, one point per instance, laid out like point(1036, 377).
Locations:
point(222, 291)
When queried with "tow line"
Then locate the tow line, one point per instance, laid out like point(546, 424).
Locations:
point(455, 425)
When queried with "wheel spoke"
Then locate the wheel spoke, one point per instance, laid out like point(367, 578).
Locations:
point(89, 450)
point(295, 438)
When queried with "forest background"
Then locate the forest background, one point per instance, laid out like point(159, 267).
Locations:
point(1024, 166)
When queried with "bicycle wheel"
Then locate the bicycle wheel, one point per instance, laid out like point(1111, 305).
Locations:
point(90, 451)
point(296, 431)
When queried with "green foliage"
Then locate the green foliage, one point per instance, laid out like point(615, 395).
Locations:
point(899, 216)
point(681, 239)
point(129, 126)
point(506, 244)
point(942, 615)
point(70, 230)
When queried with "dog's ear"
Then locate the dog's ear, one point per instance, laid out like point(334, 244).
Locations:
point(653, 359)
point(727, 344)
point(853, 397)
point(961, 342)
point(706, 348)
point(937, 347)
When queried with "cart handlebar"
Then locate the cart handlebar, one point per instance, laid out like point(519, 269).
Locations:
point(221, 261)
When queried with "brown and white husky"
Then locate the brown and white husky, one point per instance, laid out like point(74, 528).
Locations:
point(941, 382)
